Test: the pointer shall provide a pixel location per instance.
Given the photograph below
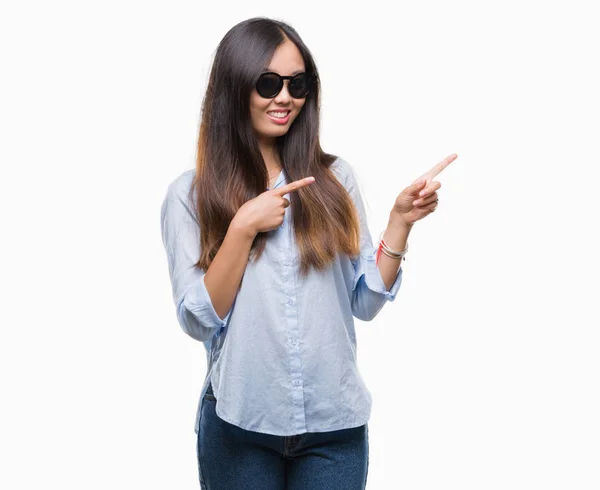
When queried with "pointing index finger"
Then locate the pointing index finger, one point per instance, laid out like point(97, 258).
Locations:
point(293, 186)
point(429, 176)
point(442, 165)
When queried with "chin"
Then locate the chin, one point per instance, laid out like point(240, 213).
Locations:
point(277, 132)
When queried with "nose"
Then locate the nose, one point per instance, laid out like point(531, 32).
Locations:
point(283, 96)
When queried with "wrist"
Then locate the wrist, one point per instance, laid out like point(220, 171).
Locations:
point(242, 230)
point(397, 232)
point(396, 220)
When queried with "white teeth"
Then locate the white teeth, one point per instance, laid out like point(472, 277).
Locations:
point(278, 114)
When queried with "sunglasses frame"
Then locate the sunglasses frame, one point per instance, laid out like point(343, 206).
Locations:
point(310, 79)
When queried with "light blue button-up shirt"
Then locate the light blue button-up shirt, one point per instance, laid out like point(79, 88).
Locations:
point(283, 360)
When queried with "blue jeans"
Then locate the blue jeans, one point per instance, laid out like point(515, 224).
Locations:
point(232, 458)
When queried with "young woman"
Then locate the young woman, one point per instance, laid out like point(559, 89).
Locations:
point(270, 260)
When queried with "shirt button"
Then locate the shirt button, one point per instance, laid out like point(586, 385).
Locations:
point(294, 341)
point(296, 382)
point(290, 302)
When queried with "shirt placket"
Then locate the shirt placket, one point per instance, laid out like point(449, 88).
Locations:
point(293, 343)
point(289, 262)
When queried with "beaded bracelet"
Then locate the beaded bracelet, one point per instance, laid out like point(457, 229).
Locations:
point(383, 247)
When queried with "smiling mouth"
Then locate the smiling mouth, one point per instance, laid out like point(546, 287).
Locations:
point(279, 114)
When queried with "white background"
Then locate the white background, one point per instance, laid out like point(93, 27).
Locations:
point(485, 370)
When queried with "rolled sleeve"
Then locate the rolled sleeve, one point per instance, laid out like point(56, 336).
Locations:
point(372, 276)
point(181, 238)
point(197, 315)
point(368, 292)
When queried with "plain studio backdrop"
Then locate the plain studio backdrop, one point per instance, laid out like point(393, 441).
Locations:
point(484, 371)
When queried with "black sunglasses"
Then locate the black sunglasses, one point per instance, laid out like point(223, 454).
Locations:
point(269, 84)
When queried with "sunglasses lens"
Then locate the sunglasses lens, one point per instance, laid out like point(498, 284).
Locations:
point(299, 86)
point(268, 85)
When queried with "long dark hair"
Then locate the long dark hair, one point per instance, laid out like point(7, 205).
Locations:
point(230, 169)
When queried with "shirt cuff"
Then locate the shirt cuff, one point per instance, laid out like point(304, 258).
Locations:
point(198, 302)
point(366, 266)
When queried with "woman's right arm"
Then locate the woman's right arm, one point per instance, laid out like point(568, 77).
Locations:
point(203, 300)
point(225, 272)
point(263, 213)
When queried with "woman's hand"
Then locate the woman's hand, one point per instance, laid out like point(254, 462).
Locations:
point(420, 198)
point(266, 211)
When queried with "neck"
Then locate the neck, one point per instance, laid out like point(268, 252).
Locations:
point(270, 155)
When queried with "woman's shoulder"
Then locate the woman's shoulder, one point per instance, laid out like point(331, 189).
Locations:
point(340, 168)
point(181, 185)
point(343, 171)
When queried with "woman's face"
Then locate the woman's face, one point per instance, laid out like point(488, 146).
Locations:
point(286, 60)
